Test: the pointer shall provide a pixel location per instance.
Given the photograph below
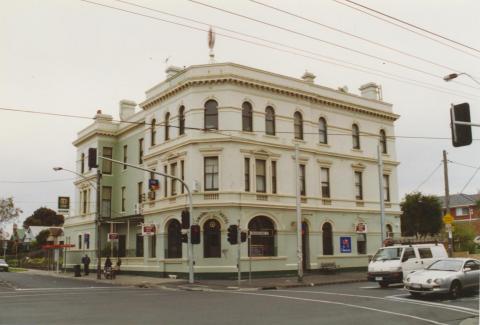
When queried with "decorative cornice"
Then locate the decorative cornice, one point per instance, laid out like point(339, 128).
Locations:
point(268, 87)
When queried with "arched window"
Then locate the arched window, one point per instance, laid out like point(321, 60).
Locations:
point(298, 125)
point(211, 115)
point(247, 117)
point(322, 130)
point(174, 239)
point(181, 120)
point(383, 141)
point(212, 244)
point(327, 239)
point(167, 126)
point(355, 137)
point(263, 243)
point(270, 120)
point(389, 231)
point(153, 132)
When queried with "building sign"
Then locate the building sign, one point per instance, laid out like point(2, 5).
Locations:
point(148, 229)
point(153, 184)
point(112, 236)
point(345, 244)
point(361, 228)
point(63, 204)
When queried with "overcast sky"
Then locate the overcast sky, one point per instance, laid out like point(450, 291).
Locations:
point(74, 57)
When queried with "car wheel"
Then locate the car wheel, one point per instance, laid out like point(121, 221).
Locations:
point(383, 284)
point(455, 289)
point(415, 294)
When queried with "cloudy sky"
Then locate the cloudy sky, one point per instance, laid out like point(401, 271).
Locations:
point(74, 57)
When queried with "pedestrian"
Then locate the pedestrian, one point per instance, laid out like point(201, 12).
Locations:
point(108, 268)
point(86, 264)
point(119, 263)
point(108, 262)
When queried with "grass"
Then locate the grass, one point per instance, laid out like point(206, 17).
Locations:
point(17, 269)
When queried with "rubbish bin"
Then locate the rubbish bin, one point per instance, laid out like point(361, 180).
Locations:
point(77, 271)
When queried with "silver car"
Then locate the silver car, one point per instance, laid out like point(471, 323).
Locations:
point(3, 265)
point(447, 275)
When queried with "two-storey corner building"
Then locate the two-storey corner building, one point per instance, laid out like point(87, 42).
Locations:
point(230, 132)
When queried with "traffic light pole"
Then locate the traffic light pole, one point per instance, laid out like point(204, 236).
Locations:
point(447, 202)
point(98, 223)
point(299, 217)
point(190, 208)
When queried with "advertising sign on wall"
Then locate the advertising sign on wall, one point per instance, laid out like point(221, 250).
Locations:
point(345, 244)
point(148, 229)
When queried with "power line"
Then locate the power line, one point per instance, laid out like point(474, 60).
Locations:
point(328, 60)
point(233, 130)
point(414, 26)
point(461, 164)
point(404, 28)
point(325, 41)
point(354, 36)
point(39, 181)
point(471, 178)
point(429, 176)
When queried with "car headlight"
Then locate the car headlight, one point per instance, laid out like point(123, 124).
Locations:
point(438, 281)
point(408, 279)
point(429, 281)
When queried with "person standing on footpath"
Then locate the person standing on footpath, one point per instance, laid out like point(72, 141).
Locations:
point(86, 264)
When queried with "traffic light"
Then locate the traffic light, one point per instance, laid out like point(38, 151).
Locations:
point(232, 234)
point(92, 158)
point(185, 219)
point(195, 233)
point(243, 236)
point(461, 134)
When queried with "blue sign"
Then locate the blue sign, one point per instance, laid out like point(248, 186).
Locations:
point(346, 244)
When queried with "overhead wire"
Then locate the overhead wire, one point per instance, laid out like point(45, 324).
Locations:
point(37, 181)
point(404, 28)
point(230, 130)
point(428, 177)
point(462, 164)
point(326, 42)
point(470, 179)
point(414, 26)
point(318, 56)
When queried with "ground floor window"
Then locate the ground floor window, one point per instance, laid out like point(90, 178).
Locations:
point(212, 246)
point(139, 246)
point(327, 239)
point(262, 241)
point(174, 239)
point(362, 243)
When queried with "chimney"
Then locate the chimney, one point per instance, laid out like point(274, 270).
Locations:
point(172, 70)
point(102, 117)
point(127, 109)
point(370, 90)
point(308, 77)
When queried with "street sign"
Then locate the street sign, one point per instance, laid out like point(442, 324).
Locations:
point(447, 219)
point(148, 229)
point(63, 204)
point(112, 236)
point(361, 228)
point(259, 233)
point(448, 227)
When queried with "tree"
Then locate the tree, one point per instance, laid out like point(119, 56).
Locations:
point(8, 211)
point(44, 217)
point(463, 235)
point(421, 215)
point(42, 237)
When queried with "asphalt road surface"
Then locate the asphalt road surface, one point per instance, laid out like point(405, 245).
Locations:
point(36, 299)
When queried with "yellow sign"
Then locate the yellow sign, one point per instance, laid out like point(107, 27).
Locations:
point(447, 219)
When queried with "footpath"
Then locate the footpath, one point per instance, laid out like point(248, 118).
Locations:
point(264, 283)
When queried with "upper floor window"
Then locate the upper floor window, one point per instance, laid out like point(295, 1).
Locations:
point(355, 137)
point(325, 179)
point(386, 188)
point(322, 130)
point(247, 117)
point(181, 120)
point(211, 115)
point(124, 190)
point(211, 173)
point(303, 187)
point(106, 201)
point(298, 125)
point(270, 120)
point(82, 163)
point(358, 186)
point(261, 175)
point(274, 177)
point(167, 126)
point(140, 192)
point(173, 181)
point(182, 175)
point(247, 174)
point(140, 151)
point(153, 132)
point(125, 155)
point(106, 164)
point(383, 141)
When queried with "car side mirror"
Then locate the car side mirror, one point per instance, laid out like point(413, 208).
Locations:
point(404, 259)
point(466, 269)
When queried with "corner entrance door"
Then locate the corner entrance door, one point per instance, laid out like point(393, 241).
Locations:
point(121, 245)
point(305, 254)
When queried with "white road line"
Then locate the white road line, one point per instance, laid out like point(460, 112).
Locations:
point(460, 309)
point(335, 303)
point(73, 288)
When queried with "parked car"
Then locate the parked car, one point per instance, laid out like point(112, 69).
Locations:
point(448, 275)
point(392, 264)
point(3, 266)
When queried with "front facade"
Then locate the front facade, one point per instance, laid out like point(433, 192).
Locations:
point(464, 209)
point(230, 132)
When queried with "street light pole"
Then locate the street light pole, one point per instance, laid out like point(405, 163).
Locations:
point(452, 76)
point(190, 208)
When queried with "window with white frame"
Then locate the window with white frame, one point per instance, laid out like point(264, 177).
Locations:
point(461, 212)
point(303, 187)
point(386, 188)
point(247, 117)
point(325, 179)
point(211, 173)
point(322, 130)
point(261, 175)
point(125, 156)
point(124, 190)
point(358, 186)
point(246, 169)
point(274, 177)
point(355, 136)
point(270, 120)
point(173, 181)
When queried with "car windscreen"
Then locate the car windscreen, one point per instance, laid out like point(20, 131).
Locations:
point(2, 261)
point(386, 254)
point(446, 265)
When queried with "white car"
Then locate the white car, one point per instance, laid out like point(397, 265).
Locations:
point(3, 266)
point(447, 275)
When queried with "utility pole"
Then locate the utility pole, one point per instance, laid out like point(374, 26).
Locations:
point(382, 202)
point(299, 218)
point(239, 246)
point(99, 262)
point(447, 202)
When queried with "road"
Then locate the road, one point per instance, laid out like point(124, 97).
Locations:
point(36, 299)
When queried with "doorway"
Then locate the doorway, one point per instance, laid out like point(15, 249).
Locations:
point(305, 248)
